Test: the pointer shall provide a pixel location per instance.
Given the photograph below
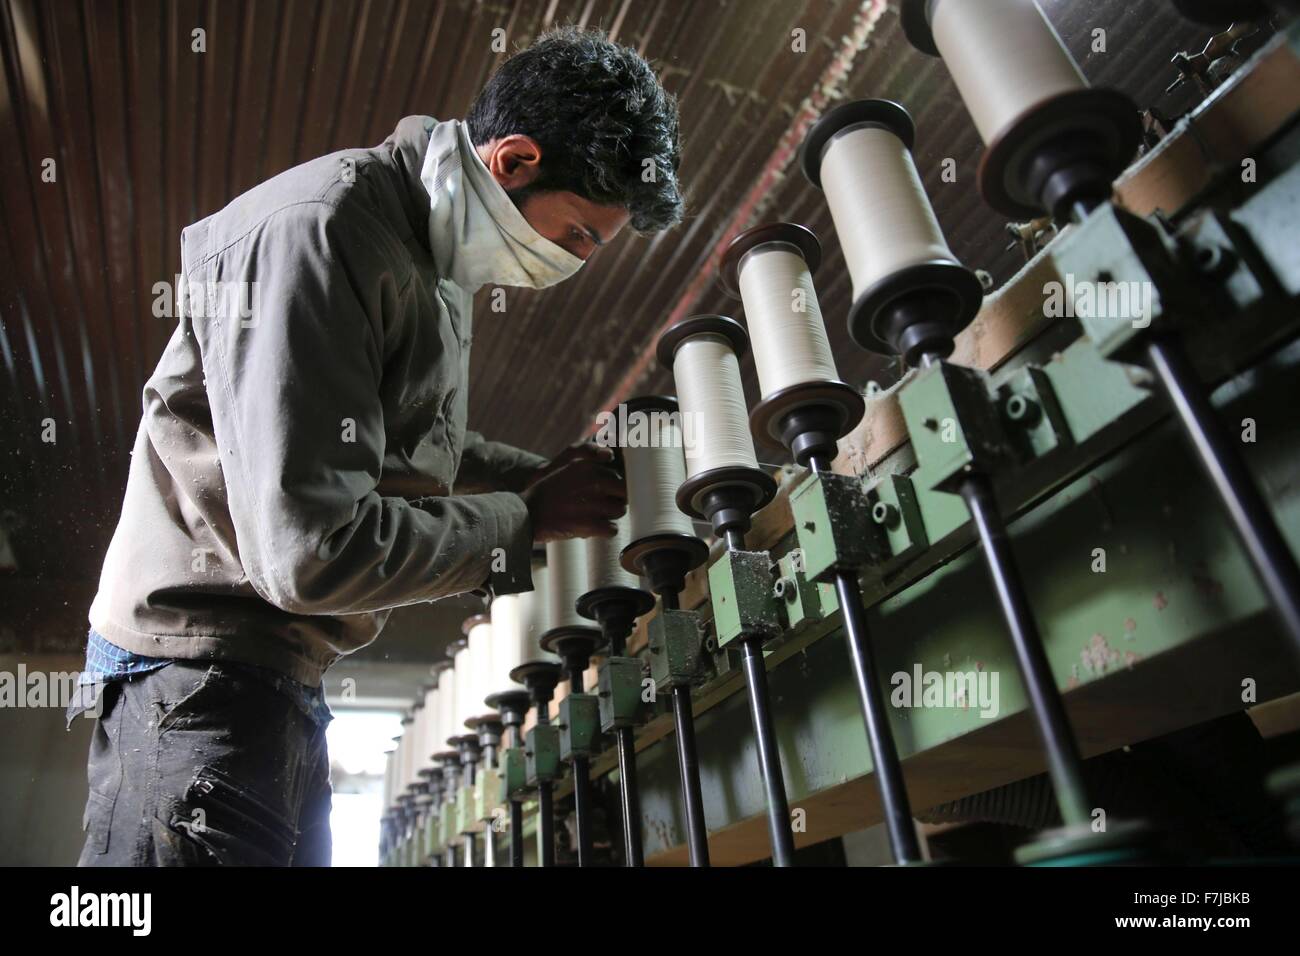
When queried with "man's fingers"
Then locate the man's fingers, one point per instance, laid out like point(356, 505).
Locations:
point(586, 451)
point(599, 480)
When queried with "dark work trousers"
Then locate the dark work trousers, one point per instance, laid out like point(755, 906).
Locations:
point(200, 764)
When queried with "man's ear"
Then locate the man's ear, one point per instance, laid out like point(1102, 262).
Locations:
point(515, 161)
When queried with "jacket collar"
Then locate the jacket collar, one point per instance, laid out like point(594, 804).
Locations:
point(407, 145)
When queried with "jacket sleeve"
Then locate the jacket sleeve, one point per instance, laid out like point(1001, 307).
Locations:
point(295, 397)
point(492, 466)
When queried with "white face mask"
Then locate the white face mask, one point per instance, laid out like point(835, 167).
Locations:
point(477, 235)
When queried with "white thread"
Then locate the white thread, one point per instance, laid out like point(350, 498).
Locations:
point(882, 215)
point(404, 749)
point(712, 402)
point(446, 709)
point(465, 709)
point(428, 730)
point(516, 626)
point(413, 745)
point(390, 780)
point(654, 472)
point(537, 622)
point(603, 567)
point(785, 321)
point(481, 651)
point(1004, 57)
point(566, 581)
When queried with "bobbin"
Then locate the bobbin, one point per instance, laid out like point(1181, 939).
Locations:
point(1064, 148)
point(446, 713)
point(950, 292)
point(802, 414)
point(565, 637)
point(725, 496)
point(665, 557)
point(463, 682)
point(433, 714)
point(480, 670)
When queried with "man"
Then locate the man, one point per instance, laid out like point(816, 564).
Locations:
point(266, 529)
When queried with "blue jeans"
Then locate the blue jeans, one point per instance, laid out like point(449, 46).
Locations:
point(200, 764)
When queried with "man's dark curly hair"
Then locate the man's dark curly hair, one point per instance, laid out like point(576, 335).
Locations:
point(597, 110)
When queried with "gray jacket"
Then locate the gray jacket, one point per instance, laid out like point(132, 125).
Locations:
point(317, 351)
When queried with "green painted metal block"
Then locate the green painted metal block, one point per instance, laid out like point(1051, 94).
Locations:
point(542, 754)
point(897, 513)
point(487, 791)
point(955, 426)
point(832, 518)
point(512, 776)
point(1031, 414)
point(579, 725)
point(446, 810)
point(677, 650)
point(1092, 391)
point(803, 600)
point(429, 835)
point(619, 689)
point(465, 818)
point(450, 828)
point(1120, 275)
point(740, 588)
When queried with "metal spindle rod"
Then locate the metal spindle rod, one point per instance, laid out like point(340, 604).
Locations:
point(884, 754)
point(688, 764)
point(633, 851)
point(582, 808)
point(629, 795)
point(516, 833)
point(1232, 480)
point(546, 822)
point(1064, 765)
point(769, 759)
point(469, 849)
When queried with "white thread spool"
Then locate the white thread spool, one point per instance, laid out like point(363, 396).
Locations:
point(882, 215)
point(405, 747)
point(604, 569)
point(446, 710)
point(465, 709)
point(712, 401)
point(428, 730)
point(784, 318)
point(654, 472)
point(481, 652)
point(910, 294)
point(1005, 59)
point(538, 621)
point(511, 626)
point(566, 581)
point(390, 779)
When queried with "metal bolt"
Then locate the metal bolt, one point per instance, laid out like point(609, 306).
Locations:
point(883, 513)
point(1018, 407)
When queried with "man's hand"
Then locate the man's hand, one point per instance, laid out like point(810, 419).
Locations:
point(576, 495)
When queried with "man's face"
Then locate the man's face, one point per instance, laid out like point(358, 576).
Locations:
point(577, 225)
